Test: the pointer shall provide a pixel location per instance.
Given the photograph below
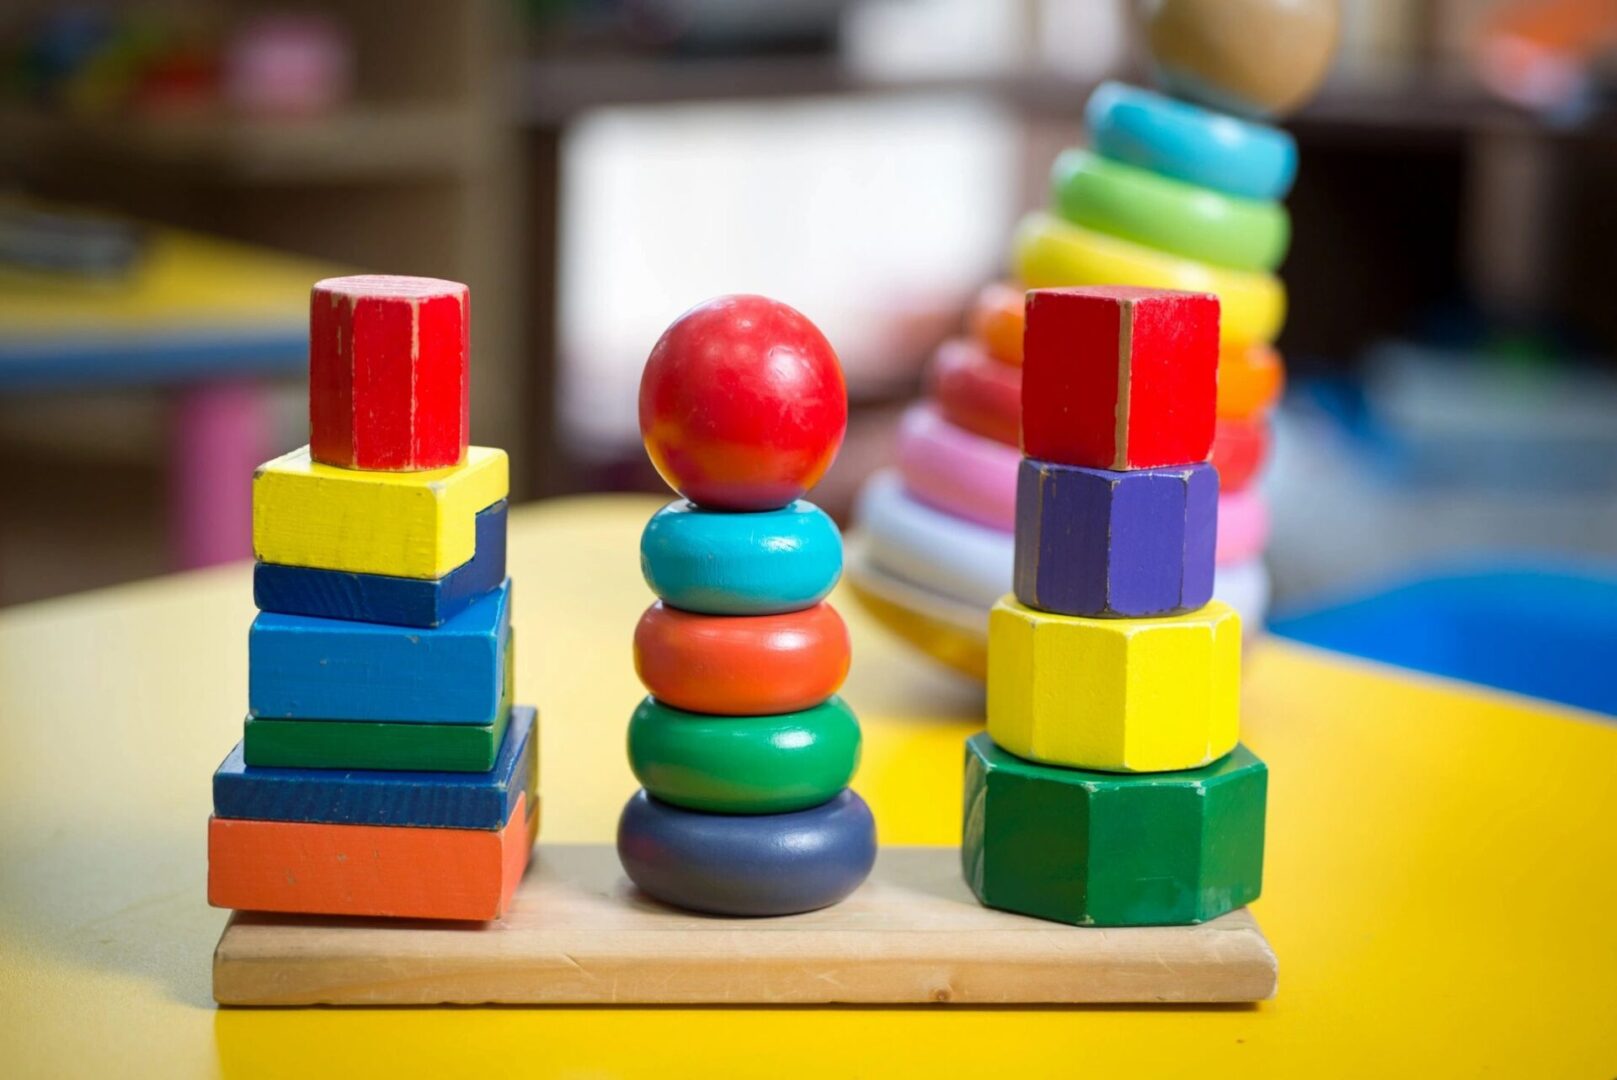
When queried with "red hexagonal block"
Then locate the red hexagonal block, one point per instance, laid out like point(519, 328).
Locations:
point(1119, 378)
point(388, 361)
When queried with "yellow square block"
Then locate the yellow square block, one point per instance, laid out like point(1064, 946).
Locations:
point(403, 524)
point(1123, 695)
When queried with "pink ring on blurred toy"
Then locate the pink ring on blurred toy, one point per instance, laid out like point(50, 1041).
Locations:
point(952, 470)
point(1243, 527)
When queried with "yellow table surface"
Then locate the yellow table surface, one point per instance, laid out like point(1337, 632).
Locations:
point(1441, 886)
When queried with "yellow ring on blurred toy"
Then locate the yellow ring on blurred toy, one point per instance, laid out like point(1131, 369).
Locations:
point(1051, 253)
point(953, 633)
point(948, 645)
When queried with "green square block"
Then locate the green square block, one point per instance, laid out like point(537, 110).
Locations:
point(1113, 849)
point(362, 744)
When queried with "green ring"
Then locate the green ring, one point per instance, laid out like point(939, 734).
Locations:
point(1169, 215)
point(744, 764)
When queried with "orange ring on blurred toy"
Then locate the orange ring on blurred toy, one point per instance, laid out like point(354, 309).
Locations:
point(1240, 447)
point(978, 393)
point(997, 318)
point(1051, 253)
point(741, 665)
point(1250, 379)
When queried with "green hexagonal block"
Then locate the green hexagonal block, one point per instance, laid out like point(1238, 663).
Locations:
point(1110, 849)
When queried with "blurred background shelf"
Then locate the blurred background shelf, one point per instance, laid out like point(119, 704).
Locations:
point(590, 169)
point(384, 142)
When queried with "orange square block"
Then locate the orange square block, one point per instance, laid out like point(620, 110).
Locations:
point(372, 870)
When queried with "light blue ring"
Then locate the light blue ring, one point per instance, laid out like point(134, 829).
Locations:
point(761, 563)
point(1190, 143)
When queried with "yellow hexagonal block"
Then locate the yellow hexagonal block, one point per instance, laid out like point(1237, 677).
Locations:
point(1123, 695)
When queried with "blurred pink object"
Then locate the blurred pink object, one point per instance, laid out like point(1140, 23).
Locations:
point(291, 65)
point(952, 470)
point(1243, 527)
point(222, 431)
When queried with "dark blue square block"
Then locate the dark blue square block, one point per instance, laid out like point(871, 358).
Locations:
point(377, 598)
point(1106, 544)
point(435, 800)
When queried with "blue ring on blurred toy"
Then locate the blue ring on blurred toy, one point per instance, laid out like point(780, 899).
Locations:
point(1190, 143)
point(764, 563)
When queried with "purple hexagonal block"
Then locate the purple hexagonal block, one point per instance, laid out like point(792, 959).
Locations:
point(1115, 544)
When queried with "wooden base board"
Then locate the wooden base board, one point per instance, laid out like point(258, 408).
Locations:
point(578, 933)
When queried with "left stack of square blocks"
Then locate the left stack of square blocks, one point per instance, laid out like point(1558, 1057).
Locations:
point(384, 770)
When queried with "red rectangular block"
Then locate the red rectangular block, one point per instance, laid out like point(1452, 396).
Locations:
point(388, 372)
point(1119, 378)
point(314, 868)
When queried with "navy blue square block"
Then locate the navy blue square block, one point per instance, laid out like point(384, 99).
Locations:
point(434, 800)
point(377, 598)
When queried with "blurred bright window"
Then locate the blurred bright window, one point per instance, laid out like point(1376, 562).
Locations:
point(855, 210)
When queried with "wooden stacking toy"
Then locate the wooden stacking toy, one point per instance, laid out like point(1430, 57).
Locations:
point(1175, 191)
point(384, 770)
point(743, 748)
point(1109, 789)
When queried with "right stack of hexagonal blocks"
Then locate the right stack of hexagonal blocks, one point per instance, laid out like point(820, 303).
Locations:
point(1109, 788)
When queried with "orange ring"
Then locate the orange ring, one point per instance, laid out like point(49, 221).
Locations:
point(741, 665)
point(997, 318)
point(1250, 378)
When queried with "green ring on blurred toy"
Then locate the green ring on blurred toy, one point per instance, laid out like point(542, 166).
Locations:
point(1170, 215)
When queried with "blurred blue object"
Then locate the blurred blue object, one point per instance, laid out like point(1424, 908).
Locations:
point(1468, 420)
point(1549, 631)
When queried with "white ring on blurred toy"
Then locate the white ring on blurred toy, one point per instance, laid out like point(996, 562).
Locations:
point(1244, 586)
point(948, 555)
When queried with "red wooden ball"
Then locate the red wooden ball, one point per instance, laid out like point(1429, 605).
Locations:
point(742, 404)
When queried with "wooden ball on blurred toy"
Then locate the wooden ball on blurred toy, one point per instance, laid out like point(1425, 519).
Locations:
point(742, 404)
point(1255, 57)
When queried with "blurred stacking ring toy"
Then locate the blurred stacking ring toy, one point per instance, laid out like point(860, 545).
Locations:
point(1178, 190)
point(743, 748)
